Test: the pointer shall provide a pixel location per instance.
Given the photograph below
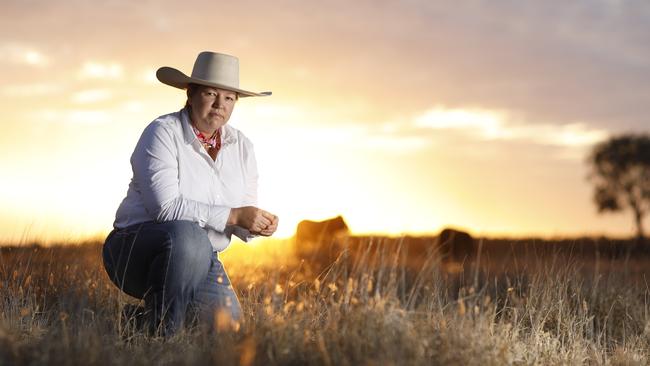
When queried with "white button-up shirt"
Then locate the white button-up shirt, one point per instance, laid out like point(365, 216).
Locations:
point(174, 178)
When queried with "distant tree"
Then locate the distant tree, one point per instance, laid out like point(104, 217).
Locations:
point(620, 170)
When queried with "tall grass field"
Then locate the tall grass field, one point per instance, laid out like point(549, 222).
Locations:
point(375, 302)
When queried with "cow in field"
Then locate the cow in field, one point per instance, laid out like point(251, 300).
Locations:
point(319, 239)
point(455, 246)
point(315, 231)
point(320, 243)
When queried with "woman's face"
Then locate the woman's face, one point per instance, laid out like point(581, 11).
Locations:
point(211, 107)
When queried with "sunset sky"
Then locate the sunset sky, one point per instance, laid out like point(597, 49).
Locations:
point(403, 116)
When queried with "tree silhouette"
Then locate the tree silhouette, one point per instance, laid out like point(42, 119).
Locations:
point(620, 170)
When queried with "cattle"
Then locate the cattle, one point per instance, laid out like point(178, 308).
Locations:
point(455, 245)
point(320, 243)
point(320, 240)
point(316, 231)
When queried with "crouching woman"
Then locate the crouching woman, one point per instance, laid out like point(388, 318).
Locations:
point(194, 185)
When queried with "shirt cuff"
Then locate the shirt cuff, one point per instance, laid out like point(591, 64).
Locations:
point(217, 218)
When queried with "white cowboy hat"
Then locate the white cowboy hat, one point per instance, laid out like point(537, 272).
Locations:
point(211, 69)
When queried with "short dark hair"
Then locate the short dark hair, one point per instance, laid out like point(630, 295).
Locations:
point(191, 89)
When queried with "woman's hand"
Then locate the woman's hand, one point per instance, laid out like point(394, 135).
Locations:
point(253, 219)
point(271, 228)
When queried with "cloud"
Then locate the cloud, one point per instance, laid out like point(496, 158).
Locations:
point(312, 128)
point(98, 70)
point(490, 125)
point(549, 60)
point(392, 144)
point(470, 123)
point(72, 116)
point(486, 123)
point(91, 96)
point(147, 76)
point(17, 53)
point(552, 60)
point(31, 90)
point(132, 106)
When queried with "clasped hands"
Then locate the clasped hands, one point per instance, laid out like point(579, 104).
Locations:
point(253, 219)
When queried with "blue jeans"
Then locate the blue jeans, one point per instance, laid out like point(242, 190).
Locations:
point(172, 267)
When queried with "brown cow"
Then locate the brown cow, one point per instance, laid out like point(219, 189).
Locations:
point(320, 239)
point(319, 230)
point(455, 246)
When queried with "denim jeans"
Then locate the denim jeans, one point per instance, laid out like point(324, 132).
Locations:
point(172, 267)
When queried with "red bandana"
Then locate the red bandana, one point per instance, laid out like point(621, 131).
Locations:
point(212, 144)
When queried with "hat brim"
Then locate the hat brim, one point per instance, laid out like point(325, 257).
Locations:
point(172, 77)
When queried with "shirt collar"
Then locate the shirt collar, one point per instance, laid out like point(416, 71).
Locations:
point(228, 135)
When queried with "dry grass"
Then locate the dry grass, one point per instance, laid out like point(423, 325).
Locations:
point(58, 307)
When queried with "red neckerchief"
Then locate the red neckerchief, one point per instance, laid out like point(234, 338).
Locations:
point(212, 144)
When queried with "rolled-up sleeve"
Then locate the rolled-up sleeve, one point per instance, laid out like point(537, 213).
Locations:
point(155, 170)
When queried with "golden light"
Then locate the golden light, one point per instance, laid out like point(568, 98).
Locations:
point(386, 173)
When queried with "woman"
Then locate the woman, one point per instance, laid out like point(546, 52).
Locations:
point(194, 185)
